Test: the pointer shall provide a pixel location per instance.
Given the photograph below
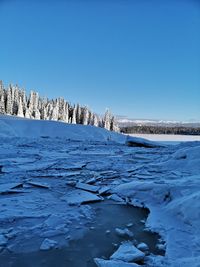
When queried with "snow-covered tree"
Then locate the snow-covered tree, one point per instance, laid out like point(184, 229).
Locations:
point(74, 115)
point(63, 110)
point(94, 120)
point(9, 102)
point(113, 125)
point(13, 101)
point(20, 112)
point(85, 115)
point(66, 113)
point(28, 113)
point(33, 105)
point(2, 104)
point(15, 98)
point(55, 111)
point(78, 114)
point(107, 120)
point(43, 108)
point(1, 88)
point(22, 94)
point(49, 110)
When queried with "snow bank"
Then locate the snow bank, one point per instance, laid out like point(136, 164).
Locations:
point(11, 126)
point(184, 159)
point(174, 204)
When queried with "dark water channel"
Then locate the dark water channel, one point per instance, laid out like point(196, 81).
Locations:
point(95, 243)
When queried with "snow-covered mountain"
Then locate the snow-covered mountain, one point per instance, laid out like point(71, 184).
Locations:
point(124, 121)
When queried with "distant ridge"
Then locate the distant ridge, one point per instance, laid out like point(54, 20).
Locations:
point(124, 121)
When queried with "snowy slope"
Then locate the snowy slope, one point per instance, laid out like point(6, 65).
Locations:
point(11, 126)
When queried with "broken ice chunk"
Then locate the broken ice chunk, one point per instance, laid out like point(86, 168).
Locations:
point(38, 184)
point(79, 197)
point(87, 187)
point(53, 221)
point(143, 247)
point(103, 190)
point(113, 263)
point(115, 197)
point(129, 224)
point(48, 244)
point(128, 252)
point(123, 232)
point(9, 186)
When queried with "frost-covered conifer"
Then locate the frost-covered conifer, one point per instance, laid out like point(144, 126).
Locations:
point(95, 120)
point(78, 114)
point(15, 97)
point(74, 115)
point(43, 108)
point(113, 125)
point(33, 105)
point(55, 110)
point(107, 120)
point(20, 112)
point(13, 101)
point(22, 94)
point(9, 102)
point(1, 88)
point(2, 104)
point(66, 113)
point(85, 115)
point(28, 113)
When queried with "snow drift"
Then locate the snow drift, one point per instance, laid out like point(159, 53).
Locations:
point(11, 126)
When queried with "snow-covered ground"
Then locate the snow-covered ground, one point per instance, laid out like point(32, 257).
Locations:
point(48, 170)
point(172, 138)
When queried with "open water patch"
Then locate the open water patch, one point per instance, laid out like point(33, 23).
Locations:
point(100, 241)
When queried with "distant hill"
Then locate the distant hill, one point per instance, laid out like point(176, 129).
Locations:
point(123, 121)
point(131, 126)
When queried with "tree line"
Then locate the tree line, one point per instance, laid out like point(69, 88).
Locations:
point(146, 129)
point(14, 101)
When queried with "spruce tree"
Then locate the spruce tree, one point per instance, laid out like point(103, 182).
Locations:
point(107, 120)
point(9, 102)
point(74, 115)
point(20, 112)
point(2, 104)
point(85, 115)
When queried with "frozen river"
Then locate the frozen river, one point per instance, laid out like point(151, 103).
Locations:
point(48, 187)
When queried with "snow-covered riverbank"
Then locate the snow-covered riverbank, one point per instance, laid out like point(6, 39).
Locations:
point(41, 163)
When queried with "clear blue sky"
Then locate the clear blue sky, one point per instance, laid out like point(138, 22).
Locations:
point(139, 58)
